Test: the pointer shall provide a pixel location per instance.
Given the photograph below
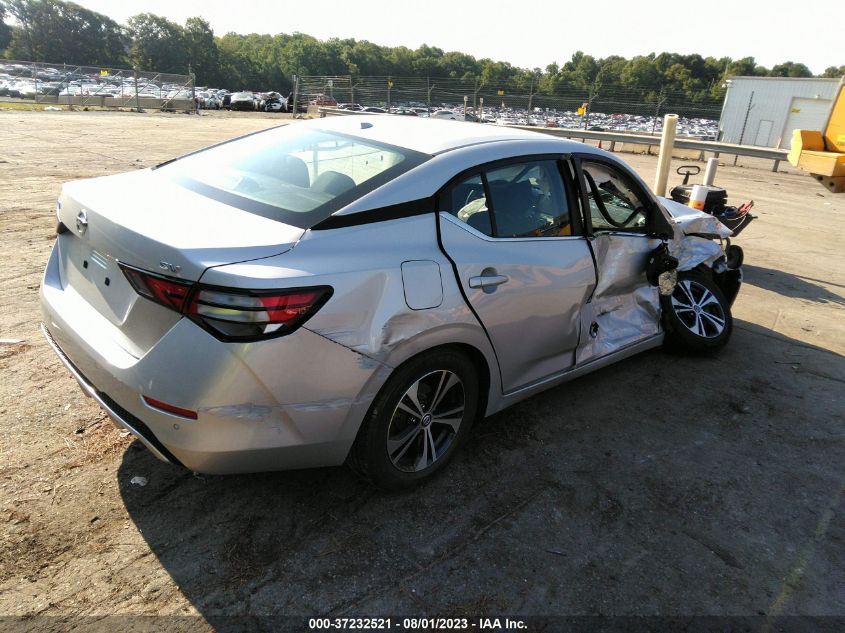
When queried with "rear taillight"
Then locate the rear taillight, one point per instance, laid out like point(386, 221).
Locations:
point(168, 292)
point(232, 314)
point(240, 315)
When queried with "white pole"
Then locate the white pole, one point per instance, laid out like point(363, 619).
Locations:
point(664, 160)
point(710, 172)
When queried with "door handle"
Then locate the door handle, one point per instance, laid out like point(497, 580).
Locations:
point(487, 281)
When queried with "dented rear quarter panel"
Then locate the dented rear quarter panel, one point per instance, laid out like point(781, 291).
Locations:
point(368, 312)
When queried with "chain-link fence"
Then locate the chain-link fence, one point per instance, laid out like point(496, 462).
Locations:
point(526, 102)
point(84, 86)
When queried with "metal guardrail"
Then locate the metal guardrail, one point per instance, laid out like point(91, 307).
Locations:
point(717, 148)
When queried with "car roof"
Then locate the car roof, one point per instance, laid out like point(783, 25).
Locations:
point(426, 135)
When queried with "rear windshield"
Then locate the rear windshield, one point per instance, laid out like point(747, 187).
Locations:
point(292, 174)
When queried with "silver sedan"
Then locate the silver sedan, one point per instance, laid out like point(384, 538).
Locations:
point(362, 289)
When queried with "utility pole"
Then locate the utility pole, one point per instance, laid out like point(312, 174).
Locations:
point(661, 99)
point(194, 104)
point(295, 93)
point(530, 98)
point(137, 100)
point(429, 88)
point(389, 86)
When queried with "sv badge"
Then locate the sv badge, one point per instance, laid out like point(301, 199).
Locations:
point(167, 266)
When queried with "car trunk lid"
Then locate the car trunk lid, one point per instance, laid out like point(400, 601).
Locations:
point(157, 226)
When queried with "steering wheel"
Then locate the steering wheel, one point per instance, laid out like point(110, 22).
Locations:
point(603, 209)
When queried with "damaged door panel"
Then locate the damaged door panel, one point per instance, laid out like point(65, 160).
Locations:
point(624, 307)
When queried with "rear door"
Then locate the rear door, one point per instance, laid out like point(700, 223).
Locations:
point(512, 230)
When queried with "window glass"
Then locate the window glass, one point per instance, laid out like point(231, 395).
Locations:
point(467, 202)
point(528, 200)
point(292, 174)
point(613, 204)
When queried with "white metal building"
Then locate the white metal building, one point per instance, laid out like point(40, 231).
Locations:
point(764, 110)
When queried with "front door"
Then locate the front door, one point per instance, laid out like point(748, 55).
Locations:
point(512, 231)
point(624, 308)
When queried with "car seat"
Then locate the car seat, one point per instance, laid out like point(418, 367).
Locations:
point(333, 182)
point(293, 170)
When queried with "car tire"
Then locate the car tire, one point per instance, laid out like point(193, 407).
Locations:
point(734, 256)
point(419, 419)
point(696, 316)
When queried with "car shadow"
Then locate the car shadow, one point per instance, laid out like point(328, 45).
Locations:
point(660, 474)
point(790, 285)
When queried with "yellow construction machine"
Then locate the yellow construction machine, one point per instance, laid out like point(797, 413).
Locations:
point(823, 153)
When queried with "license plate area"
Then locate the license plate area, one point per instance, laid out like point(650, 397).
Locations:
point(96, 277)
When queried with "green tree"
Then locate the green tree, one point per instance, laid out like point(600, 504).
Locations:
point(64, 32)
point(834, 71)
point(455, 64)
point(5, 29)
point(201, 49)
point(157, 44)
point(642, 72)
point(303, 54)
point(790, 69)
point(426, 62)
point(745, 67)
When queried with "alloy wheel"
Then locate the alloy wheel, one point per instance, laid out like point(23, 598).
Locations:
point(426, 421)
point(698, 309)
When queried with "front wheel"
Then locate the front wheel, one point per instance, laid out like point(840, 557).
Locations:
point(697, 317)
point(417, 422)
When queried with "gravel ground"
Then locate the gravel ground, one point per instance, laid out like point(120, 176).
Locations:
point(662, 485)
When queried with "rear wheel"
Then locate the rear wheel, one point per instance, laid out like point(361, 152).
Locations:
point(697, 316)
point(419, 419)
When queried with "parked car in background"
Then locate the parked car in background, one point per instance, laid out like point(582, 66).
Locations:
point(374, 110)
point(273, 102)
point(363, 289)
point(243, 101)
point(446, 115)
point(208, 100)
point(349, 106)
point(323, 101)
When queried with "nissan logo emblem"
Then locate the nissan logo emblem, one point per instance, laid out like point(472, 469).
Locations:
point(81, 221)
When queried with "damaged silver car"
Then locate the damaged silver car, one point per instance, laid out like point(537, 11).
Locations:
point(361, 289)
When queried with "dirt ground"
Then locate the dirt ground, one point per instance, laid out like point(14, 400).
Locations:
point(663, 485)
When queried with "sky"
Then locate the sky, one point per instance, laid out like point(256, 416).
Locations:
point(535, 34)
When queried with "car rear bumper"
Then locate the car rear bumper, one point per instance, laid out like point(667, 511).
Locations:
point(118, 414)
point(292, 402)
